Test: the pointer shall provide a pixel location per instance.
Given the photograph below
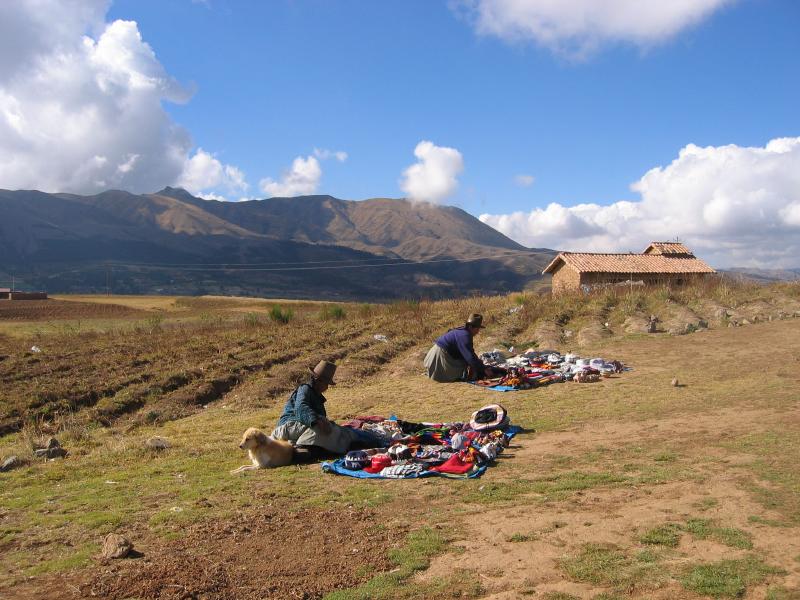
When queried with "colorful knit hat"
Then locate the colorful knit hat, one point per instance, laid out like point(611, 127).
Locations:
point(492, 416)
point(356, 460)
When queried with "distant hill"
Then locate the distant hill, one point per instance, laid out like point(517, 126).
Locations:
point(309, 246)
point(763, 275)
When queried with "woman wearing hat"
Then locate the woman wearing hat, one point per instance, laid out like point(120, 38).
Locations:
point(304, 421)
point(452, 357)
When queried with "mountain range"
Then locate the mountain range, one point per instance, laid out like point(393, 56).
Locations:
point(302, 247)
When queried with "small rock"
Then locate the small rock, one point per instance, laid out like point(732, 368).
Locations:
point(652, 324)
point(157, 443)
point(116, 546)
point(674, 383)
point(52, 449)
point(12, 462)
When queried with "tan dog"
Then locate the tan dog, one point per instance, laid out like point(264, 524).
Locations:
point(264, 451)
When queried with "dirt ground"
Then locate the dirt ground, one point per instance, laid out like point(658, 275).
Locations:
point(721, 446)
point(269, 553)
point(617, 516)
point(44, 310)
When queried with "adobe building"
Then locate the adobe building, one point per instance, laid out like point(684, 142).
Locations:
point(16, 295)
point(661, 263)
point(9, 294)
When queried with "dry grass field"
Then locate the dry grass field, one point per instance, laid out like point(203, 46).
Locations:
point(626, 488)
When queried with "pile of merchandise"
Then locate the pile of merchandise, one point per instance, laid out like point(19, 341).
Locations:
point(456, 450)
point(535, 368)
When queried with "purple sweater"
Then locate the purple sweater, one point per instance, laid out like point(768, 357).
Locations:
point(458, 344)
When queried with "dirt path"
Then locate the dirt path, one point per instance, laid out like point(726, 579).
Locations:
point(555, 530)
point(609, 462)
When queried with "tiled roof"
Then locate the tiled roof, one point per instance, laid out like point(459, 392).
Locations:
point(667, 248)
point(585, 262)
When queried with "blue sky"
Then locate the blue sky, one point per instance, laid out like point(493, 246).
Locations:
point(539, 119)
point(276, 79)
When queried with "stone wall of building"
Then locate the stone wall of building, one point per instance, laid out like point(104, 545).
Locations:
point(565, 279)
point(27, 296)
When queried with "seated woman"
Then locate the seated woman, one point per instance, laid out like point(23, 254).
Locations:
point(304, 421)
point(453, 358)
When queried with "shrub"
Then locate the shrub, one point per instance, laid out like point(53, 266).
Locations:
point(252, 320)
point(153, 323)
point(335, 313)
point(279, 315)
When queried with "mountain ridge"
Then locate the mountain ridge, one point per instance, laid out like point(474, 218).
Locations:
point(405, 249)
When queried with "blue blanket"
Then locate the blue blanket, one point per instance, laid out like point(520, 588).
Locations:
point(497, 388)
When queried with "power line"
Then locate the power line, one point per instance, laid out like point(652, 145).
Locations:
point(256, 267)
point(398, 259)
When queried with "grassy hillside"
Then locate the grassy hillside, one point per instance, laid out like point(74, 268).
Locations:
point(305, 247)
point(630, 487)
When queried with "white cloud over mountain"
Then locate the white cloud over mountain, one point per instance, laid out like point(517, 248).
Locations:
point(203, 171)
point(80, 102)
point(81, 110)
point(433, 178)
point(576, 28)
point(733, 205)
point(301, 179)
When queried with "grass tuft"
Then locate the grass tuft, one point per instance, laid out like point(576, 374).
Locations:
point(414, 556)
point(279, 315)
point(727, 578)
point(730, 536)
point(664, 535)
point(606, 564)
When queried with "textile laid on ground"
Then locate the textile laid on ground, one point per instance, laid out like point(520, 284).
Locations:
point(456, 450)
point(535, 368)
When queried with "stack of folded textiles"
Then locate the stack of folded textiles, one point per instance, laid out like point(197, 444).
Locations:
point(534, 368)
point(459, 450)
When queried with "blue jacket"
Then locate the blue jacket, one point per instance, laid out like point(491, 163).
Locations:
point(458, 344)
point(305, 405)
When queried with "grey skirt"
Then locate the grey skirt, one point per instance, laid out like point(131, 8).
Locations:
point(442, 367)
point(337, 440)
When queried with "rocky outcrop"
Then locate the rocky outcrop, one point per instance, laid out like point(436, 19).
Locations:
point(548, 334)
point(683, 320)
point(592, 334)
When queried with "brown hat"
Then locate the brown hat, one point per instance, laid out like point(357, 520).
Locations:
point(324, 372)
point(475, 320)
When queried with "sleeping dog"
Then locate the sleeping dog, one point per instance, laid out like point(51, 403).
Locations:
point(264, 451)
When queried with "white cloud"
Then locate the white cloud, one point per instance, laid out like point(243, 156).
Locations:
point(578, 27)
point(204, 171)
point(301, 179)
point(324, 154)
point(433, 177)
point(81, 106)
point(524, 180)
point(733, 205)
